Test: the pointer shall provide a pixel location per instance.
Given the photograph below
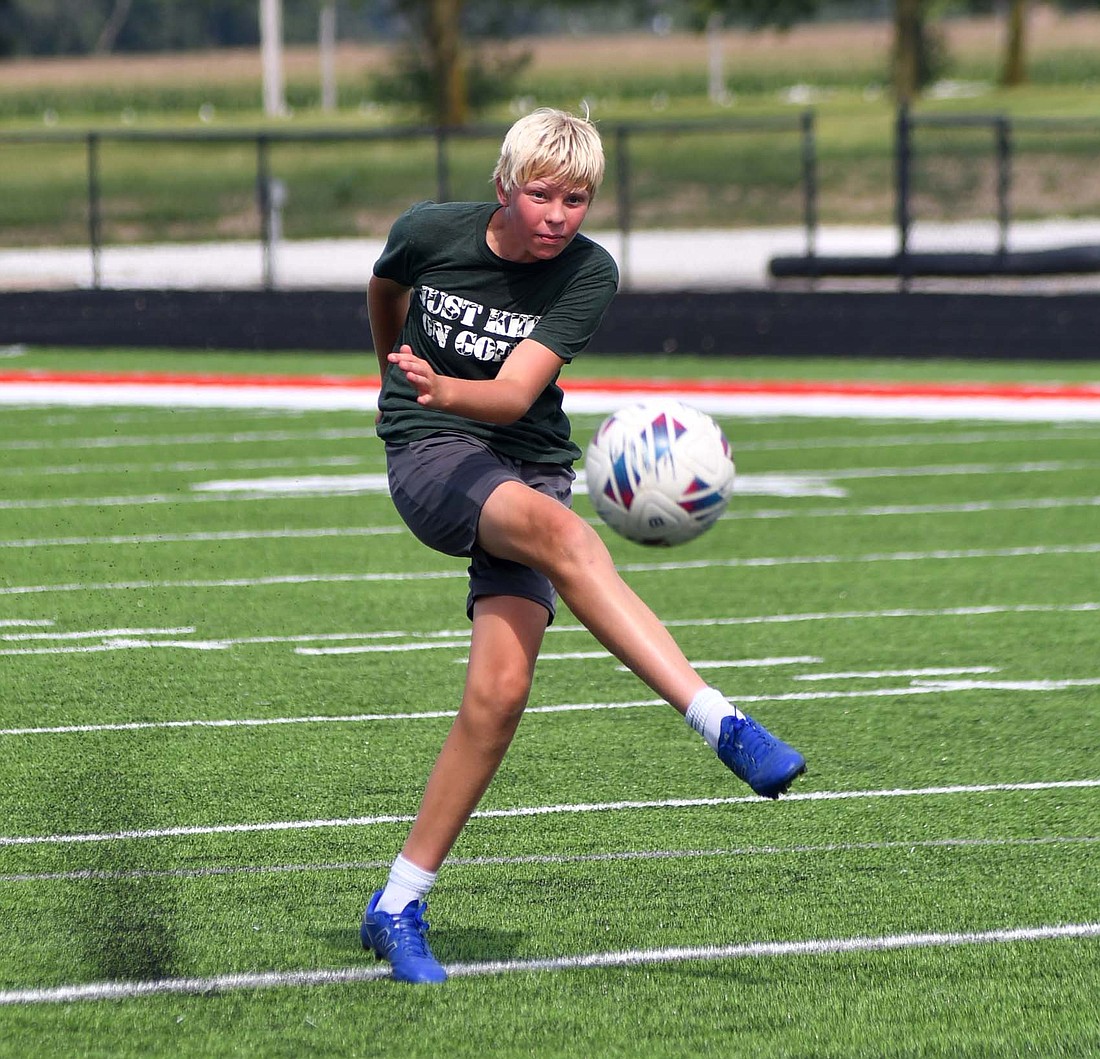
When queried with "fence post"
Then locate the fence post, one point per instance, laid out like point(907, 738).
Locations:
point(622, 189)
point(263, 202)
point(95, 220)
point(809, 186)
point(1004, 182)
point(903, 156)
point(442, 168)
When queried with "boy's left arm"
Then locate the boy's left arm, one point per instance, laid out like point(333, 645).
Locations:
point(529, 369)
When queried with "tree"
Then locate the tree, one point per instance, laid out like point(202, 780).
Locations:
point(440, 69)
point(908, 32)
point(917, 55)
point(113, 26)
point(442, 27)
point(1014, 69)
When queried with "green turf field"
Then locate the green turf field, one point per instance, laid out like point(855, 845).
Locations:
point(219, 703)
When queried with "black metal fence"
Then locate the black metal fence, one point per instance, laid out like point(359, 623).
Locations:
point(1010, 142)
point(968, 167)
point(113, 187)
point(680, 172)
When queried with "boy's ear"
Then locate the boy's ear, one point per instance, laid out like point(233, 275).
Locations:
point(502, 195)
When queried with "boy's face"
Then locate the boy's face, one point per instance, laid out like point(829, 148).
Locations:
point(540, 217)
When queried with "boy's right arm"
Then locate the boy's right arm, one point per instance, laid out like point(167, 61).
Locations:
point(387, 307)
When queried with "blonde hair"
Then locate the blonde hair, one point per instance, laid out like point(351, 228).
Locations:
point(551, 144)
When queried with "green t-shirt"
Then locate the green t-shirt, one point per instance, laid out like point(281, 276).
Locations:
point(469, 307)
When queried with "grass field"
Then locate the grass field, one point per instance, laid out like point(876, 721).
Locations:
point(220, 701)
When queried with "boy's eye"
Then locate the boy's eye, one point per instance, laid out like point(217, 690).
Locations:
point(572, 198)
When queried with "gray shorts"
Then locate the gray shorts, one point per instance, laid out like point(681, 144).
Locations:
point(439, 485)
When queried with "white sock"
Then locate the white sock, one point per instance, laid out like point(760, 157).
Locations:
point(406, 883)
point(707, 711)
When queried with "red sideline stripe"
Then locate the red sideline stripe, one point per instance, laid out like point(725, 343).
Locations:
point(634, 386)
point(101, 378)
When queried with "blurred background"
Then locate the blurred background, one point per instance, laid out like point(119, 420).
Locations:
point(751, 143)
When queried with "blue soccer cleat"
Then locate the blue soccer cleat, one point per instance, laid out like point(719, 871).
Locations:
point(753, 754)
point(401, 939)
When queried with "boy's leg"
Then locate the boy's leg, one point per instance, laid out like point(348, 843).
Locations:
point(522, 525)
point(504, 644)
point(525, 526)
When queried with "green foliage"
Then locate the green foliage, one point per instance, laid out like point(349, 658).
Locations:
point(492, 76)
point(60, 27)
point(755, 13)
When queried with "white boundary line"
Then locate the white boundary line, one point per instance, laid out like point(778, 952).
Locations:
point(759, 562)
point(823, 403)
point(541, 810)
point(623, 958)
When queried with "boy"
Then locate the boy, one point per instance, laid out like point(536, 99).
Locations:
point(474, 310)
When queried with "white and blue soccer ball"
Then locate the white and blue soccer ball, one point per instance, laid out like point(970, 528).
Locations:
point(659, 472)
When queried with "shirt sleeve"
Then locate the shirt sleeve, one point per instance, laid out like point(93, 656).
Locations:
point(568, 326)
point(399, 255)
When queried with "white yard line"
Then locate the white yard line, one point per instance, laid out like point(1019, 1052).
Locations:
point(551, 859)
point(879, 674)
point(774, 488)
point(723, 663)
point(760, 562)
point(183, 466)
point(206, 537)
point(1090, 548)
point(966, 507)
point(146, 441)
point(1068, 431)
point(449, 639)
point(63, 502)
point(538, 810)
point(969, 470)
point(1061, 432)
point(917, 687)
point(369, 971)
point(92, 634)
point(978, 611)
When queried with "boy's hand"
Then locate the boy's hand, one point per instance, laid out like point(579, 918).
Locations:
point(419, 372)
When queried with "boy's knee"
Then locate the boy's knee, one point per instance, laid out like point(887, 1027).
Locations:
point(574, 548)
point(498, 697)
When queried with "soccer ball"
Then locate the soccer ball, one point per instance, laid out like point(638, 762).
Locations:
point(659, 472)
